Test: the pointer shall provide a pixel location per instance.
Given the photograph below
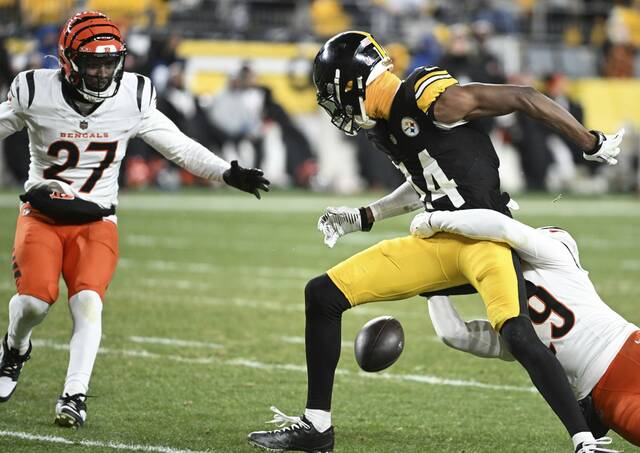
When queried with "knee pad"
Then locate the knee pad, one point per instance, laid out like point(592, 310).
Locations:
point(28, 306)
point(86, 305)
point(322, 297)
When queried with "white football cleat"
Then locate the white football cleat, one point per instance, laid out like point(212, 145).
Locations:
point(71, 410)
point(596, 446)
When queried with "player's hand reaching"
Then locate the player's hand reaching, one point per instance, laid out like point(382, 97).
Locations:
point(249, 180)
point(337, 222)
point(421, 226)
point(607, 147)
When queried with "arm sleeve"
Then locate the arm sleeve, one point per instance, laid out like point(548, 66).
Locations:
point(533, 246)
point(10, 118)
point(475, 337)
point(164, 136)
point(402, 200)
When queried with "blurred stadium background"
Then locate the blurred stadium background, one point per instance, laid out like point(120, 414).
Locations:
point(255, 55)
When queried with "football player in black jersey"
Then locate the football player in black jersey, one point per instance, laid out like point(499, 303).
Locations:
point(422, 124)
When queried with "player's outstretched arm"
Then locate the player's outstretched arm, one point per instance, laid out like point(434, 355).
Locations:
point(476, 337)
point(532, 245)
point(10, 120)
point(165, 137)
point(477, 100)
point(336, 222)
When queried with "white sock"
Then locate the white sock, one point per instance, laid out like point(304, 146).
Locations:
point(580, 437)
point(25, 312)
point(320, 419)
point(86, 312)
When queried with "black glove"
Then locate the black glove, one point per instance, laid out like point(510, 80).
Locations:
point(246, 179)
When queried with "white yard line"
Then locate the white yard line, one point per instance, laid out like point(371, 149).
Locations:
point(175, 342)
point(95, 443)
point(249, 363)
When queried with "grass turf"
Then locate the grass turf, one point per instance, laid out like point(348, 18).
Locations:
point(227, 272)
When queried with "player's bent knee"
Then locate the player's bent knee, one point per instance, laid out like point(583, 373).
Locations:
point(322, 297)
point(86, 304)
point(29, 306)
point(518, 334)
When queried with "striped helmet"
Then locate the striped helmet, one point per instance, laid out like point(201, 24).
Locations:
point(91, 52)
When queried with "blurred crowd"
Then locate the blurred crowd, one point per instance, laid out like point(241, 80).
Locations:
point(544, 43)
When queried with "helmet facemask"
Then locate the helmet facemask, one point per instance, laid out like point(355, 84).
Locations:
point(341, 110)
point(98, 75)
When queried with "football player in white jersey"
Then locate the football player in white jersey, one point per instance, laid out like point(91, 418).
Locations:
point(598, 349)
point(79, 119)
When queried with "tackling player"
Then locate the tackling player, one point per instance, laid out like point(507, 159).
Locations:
point(79, 119)
point(422, 123)
point(598, 349)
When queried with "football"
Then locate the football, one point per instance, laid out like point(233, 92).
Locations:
point(379, 343)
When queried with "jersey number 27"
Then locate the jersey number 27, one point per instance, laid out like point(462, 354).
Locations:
point(73, 157)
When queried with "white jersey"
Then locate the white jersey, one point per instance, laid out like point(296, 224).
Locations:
point(84, 152)
point(566, 311)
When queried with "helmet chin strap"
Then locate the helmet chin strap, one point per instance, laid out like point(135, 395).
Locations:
point(363, 119)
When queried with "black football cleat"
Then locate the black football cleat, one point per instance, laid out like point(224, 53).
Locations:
point(301, 435)
point(71, 410)
point(11, 363)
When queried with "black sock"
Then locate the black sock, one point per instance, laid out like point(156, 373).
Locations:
point(324, 305)
point(545, 372)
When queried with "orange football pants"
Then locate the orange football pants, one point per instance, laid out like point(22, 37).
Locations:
point(86, 255)
point(616, 397)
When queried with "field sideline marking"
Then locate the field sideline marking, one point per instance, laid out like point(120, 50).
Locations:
point(96, 443)
point(248, 363)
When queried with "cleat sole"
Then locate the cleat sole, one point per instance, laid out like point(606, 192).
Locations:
point(67, 421)
point(280, 450)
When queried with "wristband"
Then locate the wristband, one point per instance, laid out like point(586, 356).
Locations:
point(365, 225)
point(599, 141)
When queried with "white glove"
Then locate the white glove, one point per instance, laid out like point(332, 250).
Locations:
point(337, 222)
point(609, 148)
point(421, 227)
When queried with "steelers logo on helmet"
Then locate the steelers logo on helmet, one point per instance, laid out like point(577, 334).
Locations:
point(342, 69)
point(92, 53)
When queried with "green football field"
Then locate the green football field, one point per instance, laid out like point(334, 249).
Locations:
point(204, 323)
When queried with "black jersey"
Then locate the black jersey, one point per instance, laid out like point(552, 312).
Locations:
point(450, 166)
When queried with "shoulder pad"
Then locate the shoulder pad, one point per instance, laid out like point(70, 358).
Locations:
point(429, 83)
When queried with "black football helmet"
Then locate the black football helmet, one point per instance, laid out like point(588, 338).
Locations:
point(342, 69)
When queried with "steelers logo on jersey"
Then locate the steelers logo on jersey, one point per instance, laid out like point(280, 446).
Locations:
point(409, 126)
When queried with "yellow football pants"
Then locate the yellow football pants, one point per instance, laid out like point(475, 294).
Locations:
point(404, 267)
